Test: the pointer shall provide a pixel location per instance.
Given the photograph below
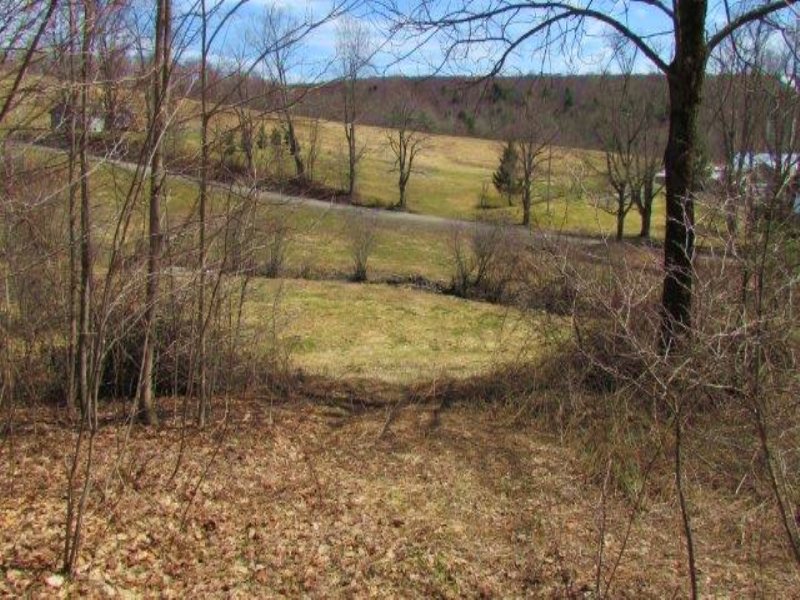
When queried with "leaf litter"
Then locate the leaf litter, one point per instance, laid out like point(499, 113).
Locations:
point(291, 501)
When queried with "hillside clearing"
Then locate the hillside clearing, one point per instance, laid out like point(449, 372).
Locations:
point(387, 333)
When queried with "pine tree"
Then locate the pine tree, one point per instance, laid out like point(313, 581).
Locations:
point(506, 178)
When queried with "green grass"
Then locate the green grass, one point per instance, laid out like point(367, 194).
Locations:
point(321, 244)
point(448, 182)
point(450, 176)
point(319, 239)
point(394, 334)
point(338, 329)
point(335, 328)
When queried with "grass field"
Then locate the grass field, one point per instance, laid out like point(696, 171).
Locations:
point(382, 332)
point(448, 182)
point(451, 174)
point(388, 333)
point(331, 327)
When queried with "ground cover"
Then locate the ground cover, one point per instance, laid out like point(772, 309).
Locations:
point(300, 500)
point(388, 333)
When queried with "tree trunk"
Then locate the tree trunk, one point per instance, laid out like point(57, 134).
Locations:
point(685, 79)
point(621, 213)
point(731, 213)
point(84, 391)
point(202, 407)
point(350, 130)
point(402, 157)
point(646, 210)
point(74, 274)
point(294, 148)
point(646, 214)
point(402, 186)
point(146, 402)
point(526, 206)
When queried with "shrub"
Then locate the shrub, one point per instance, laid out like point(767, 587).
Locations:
point(362, 236)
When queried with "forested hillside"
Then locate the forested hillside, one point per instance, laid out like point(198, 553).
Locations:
point(576, 104)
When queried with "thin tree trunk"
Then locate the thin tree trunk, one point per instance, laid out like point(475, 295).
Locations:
point(685, 516)
point(146, 402)
point(294, 147)
point(646, 211)
point(621, 213)
point(526, 205)
point(86, 400)
point(74, 275)
point(84, 392)
point(401, 166)
point(549, 172)
point(201, 310)
point(350, 131)
point(26, 61)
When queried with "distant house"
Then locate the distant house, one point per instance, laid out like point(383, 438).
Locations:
point(758, 166)
point(715, 174)
point(62, 112)
point(96, 124)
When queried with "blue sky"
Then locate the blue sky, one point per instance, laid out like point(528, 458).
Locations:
point(403, 54)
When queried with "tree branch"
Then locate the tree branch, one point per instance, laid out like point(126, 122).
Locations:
point(27, 60)
point(745, 18)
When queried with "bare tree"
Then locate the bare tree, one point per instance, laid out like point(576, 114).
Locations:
point(66, 44)
point(16, 33)
point(361, 230)
point(534, 142)
point(113, 66)
point(86, 398)
point(406, 139)
point(619, 132)
point(738, 108)
point(246, 120)
point(279, 36)
point(88, 409)
point(689, 35)
point(647, 161)
point(354, 51)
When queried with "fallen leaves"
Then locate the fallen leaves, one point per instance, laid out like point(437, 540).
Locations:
point(303, 508)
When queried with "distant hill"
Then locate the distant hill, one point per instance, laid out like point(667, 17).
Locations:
point(491, 108)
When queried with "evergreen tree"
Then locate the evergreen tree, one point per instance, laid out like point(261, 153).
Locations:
point(569, 101)
point(506, 178)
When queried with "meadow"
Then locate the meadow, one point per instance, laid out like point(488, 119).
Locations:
point(395, 334)
point(451, 175)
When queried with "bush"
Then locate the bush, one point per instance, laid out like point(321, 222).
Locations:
point(361, 230)
point(484, 261)
point(278, 236)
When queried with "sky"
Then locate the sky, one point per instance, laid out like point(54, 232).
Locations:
point(596, 50)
